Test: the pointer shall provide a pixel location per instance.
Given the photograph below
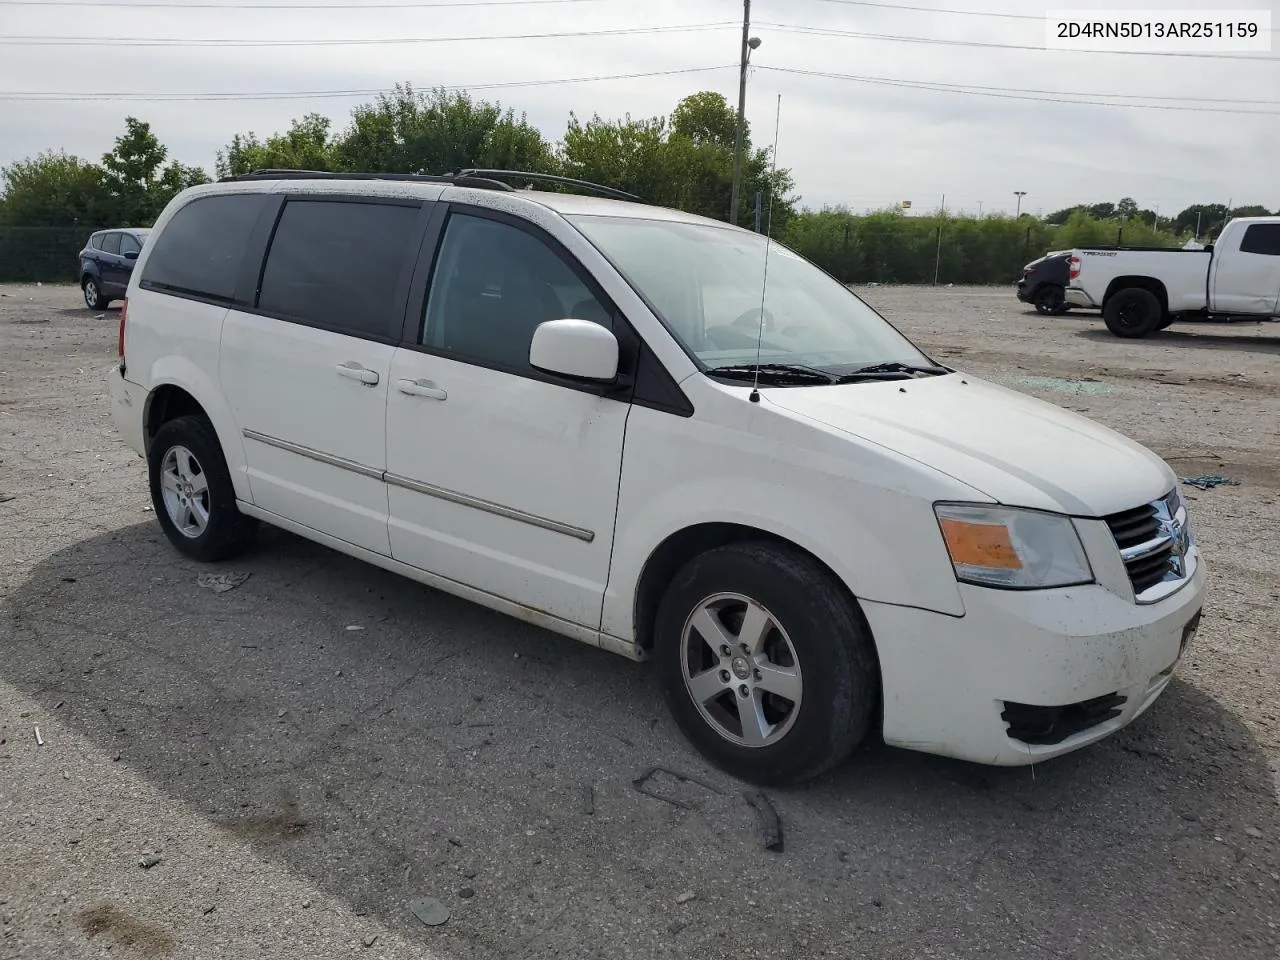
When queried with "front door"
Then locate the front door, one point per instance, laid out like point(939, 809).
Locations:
point(115, 276)
point(307, 369)
point(499, 477)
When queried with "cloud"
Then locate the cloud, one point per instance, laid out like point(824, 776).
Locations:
point(860, 144)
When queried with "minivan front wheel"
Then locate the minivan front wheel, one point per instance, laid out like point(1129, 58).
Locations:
point(192, 493)
point(766, 662)
point(93, 298)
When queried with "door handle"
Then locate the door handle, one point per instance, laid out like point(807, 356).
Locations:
point(354, 371)
point(422, 388)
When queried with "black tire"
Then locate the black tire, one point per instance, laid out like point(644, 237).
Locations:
point(226, 532)
point(1051, 300)
point(832, 646)
point(92, 289)
point(1133, 312)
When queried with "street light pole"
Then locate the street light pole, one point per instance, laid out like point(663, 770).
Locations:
point(749, 43)
point(1019, 194)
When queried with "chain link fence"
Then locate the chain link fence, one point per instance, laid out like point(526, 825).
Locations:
point(46, 254)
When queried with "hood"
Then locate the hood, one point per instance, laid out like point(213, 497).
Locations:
point(1016, 449)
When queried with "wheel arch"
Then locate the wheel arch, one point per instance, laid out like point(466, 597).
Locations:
point(178, 388)
point(678, 548)
point(168, 402)
point(1150, 284)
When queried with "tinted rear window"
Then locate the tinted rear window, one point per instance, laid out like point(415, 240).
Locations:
point(96, 241)
point(111, 243)
point(201, 249)
point(1262, 238)
point(340, 265)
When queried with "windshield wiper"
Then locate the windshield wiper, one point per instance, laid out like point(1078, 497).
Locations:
point(775, 373)
point(891, 370)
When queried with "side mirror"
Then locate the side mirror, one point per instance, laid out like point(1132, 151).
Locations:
point(578, 349)
point(131, 255)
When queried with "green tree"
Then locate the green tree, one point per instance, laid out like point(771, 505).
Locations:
point(1059, 217)
point(55, 189)
point(685, 161)
point(407, 131)
point(1208, 217)
point(305, 146)
point(1251, 210)
point(1127, 208)
point(707, 118)
point(137, 179)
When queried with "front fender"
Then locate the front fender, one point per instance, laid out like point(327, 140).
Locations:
point(882, 541)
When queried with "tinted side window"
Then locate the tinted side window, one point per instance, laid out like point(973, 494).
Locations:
point(96, 241)
point(200, 250)
point(493, 284)
point(128, 244)
point(339, 265)
point(111, 243)
point(1262, 238)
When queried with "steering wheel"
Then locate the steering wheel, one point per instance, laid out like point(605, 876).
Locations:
point(751, 318)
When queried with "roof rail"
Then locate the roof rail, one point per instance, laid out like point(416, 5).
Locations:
point(464, 180)
point(599, 188)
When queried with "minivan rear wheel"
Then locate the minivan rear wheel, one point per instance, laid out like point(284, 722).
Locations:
point(93, 298)
point(766, 662)
point(192, 493)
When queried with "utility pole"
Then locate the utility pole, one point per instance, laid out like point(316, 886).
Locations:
point(749, 43)
point(1019, 194)
point(937, 260)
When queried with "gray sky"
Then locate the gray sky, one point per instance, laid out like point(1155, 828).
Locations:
point(861, 144)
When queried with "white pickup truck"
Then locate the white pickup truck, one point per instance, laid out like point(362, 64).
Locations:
point(1144, 289)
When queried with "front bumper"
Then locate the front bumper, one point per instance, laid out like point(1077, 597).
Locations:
point(948, 680)
point(128, 405)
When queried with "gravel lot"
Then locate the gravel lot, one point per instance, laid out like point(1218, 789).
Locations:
point(302, 782)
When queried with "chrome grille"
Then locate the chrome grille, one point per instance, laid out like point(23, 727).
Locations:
point(1155, 544)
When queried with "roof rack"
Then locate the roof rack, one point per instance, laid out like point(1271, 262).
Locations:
point(464, 180)
point(483, 179)
point(599, 188)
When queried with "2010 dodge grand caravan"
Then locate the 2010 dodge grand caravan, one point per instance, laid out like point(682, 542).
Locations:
point(597, 416)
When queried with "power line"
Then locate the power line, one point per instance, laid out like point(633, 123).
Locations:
point(1054, 93)
point(963, 13)
point(831, 32)
point(43, 41)
point(1002, 94)
point(53, 97)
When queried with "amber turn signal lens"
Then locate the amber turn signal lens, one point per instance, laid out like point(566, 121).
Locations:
point(980, 544)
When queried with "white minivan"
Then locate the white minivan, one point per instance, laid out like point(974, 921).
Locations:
point(597, 416)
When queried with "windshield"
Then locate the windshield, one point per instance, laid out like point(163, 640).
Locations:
point(705, 282)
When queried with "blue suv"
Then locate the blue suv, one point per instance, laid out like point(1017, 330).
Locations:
point(106, 263)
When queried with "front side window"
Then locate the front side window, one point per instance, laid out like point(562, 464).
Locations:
point(200, 250)
point(339, 265)
point(129, 245)
point(493, 285)
point(1261, 238)
point(707, 284)
point(111, 243)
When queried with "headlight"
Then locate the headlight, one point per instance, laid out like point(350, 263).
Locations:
point(1011, 548)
